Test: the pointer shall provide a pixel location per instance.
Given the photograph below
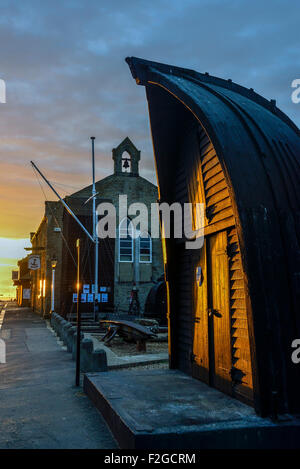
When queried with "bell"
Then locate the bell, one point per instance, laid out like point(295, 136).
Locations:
point(125, 164)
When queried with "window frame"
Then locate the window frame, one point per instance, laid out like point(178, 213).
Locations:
point(120, 239)
point(150, 248)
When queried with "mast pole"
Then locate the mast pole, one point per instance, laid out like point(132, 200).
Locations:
point(96, 240)
point(63, 202)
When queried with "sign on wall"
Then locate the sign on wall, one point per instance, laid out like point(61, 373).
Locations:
point(15, 275)
point(34, 262)
point(104, 297)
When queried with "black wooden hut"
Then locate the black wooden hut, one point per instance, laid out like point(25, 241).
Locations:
point(221, 144)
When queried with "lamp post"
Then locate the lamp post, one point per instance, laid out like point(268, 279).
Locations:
point(77, 378)
point(53, 266)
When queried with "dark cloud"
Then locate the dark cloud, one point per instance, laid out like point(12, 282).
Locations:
point(63, 62)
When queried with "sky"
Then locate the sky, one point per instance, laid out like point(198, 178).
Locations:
point(66, 79)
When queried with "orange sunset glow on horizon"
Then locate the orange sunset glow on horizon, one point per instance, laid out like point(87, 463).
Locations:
point(65, 81)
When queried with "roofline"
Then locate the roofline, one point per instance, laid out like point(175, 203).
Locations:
point(124, 140)
point(143, 71)
point(39, 228)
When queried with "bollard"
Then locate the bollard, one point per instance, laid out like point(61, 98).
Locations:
point(65, 329)
point(99, 361)
point(70, 333)
point(74, 347)
point(86, 354)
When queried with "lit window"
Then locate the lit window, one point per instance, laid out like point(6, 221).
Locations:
point(41, 289)
point(145, 248)
point(125, 241)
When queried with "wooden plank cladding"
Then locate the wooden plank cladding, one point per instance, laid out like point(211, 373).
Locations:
point(224, 334)
point(206, 181)
point(241, 372)
point(217, 199)
point(183, 285)
point(219, 209)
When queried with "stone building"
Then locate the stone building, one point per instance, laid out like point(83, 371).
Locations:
point(124, 263)
point(22, 282)
point(47, 242)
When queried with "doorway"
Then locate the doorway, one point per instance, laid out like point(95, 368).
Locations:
point(212, 341)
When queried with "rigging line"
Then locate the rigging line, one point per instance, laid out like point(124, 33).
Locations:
point(65, 185)
point(67, 191)
point(58, 225)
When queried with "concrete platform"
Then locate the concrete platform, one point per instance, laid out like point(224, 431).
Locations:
point(166, 409)
point(116, 362)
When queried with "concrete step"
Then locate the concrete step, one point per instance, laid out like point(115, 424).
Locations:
point(167, 409)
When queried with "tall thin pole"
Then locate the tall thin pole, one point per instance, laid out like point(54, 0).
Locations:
point(77, 381)
point(52, 289)
point(96, 241)
point(63, 202)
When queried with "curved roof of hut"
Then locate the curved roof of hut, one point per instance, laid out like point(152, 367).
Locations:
point(257, 142)
point(259, 149)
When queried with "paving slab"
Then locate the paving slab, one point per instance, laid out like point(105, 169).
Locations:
point(166, 409)
point(40, 407)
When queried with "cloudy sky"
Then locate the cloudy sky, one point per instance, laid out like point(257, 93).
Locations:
point(63, 64)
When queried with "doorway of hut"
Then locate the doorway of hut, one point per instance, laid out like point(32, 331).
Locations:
point(208, 290)
point(212, 338)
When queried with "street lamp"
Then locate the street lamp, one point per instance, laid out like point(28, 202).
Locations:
point(53, 266)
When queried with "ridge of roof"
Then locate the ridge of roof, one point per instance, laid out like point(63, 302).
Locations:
point(141, 68)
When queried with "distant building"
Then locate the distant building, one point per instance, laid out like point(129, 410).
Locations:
point(21, 279)
point(123, 262)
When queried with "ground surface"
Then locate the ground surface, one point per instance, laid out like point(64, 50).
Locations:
point(39, 405)
point(122, 348)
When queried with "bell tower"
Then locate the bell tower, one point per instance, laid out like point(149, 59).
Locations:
point(126, 158)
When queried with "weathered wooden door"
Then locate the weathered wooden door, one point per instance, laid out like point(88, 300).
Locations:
point(219, 313)
point(212, 342)
point(200, 362)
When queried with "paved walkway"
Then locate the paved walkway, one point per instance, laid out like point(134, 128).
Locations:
point(40, 407)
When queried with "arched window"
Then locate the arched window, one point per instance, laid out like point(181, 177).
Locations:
point(145, 248)
point(125, 241)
